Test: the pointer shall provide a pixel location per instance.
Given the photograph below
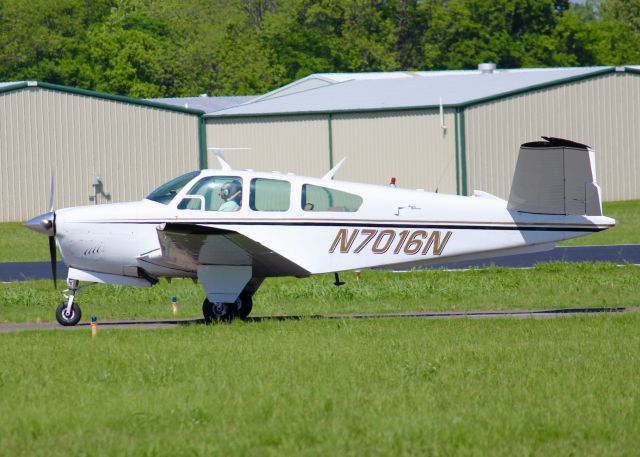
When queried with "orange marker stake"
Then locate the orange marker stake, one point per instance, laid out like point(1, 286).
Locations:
point(94, 326)
point(174, 305)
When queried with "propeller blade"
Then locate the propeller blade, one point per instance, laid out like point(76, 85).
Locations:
point(54, 264)
point(51, 195)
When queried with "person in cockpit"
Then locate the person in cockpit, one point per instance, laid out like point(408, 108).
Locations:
point(231, 194)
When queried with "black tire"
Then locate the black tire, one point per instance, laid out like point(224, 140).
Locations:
point(244, 305)
point(224, 312)
point(71, 320)
point(216, 311)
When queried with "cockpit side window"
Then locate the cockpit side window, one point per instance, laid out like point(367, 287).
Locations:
point(165, 193)
point(270, 195)
point(220, 193)
point(317, 198)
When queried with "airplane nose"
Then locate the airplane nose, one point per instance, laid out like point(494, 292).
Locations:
point(42, 224)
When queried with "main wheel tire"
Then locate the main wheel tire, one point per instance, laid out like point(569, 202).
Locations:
point(244, 305)
point(68, 320)
point(224, 312)
point(217, 311)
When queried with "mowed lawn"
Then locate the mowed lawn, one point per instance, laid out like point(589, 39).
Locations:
point(318, 387)
point(378, 387)
point(627, 230)
point(554, 285)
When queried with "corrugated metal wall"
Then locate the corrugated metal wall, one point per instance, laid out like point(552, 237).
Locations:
point(132, 148)
point(602, 112)
point(296, 144)
point(409, 145)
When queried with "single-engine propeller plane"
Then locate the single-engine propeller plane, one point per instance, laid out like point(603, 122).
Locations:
point(231, 229)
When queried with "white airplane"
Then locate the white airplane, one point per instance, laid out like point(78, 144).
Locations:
point(231, 229)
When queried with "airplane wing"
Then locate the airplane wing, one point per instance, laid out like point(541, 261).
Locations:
point(186, 246)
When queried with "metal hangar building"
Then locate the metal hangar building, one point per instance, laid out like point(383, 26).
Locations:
point(117, 147)
point(454, 131)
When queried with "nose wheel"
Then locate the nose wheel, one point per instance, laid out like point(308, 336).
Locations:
point(68, 313)
point(68, 317)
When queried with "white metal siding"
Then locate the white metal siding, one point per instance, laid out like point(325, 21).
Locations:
point(602, 112)
point(409, 145)
point(74, 137)
point(296, 144)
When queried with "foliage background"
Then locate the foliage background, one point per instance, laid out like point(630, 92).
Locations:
point(164, 48)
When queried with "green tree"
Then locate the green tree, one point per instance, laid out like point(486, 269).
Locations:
point(331, 35)
point(153, 48)
point(617, 33)
point(510, 33)
point(47, 40)
point(131, 52)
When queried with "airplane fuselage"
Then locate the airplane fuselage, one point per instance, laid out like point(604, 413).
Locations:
point(230, 229)
point(390, 227)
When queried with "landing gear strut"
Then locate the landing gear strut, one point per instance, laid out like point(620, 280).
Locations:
point(224, 312)
point(68, 313)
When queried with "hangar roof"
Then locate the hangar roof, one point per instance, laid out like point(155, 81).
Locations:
point(204, 103)
point(19, 85)
point(4, 85)
point(348, 92)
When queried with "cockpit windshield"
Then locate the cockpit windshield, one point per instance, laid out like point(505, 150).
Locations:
point(165, 193)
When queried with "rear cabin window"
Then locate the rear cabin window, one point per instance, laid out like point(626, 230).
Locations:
point(317, 198)
point(270, 195)
point(220, 193)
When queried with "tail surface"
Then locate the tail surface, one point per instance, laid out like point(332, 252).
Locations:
point(555, 176)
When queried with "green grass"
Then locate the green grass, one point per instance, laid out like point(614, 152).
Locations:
point(505, 387)
point(19, 244)
point(627, 230)
point(554, 285)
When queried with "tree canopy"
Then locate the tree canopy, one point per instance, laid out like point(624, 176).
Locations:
point(168, 48)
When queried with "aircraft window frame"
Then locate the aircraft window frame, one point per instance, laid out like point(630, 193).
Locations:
point(261, 192)
point(210, 190)
point(166, 193)
point(330, 205)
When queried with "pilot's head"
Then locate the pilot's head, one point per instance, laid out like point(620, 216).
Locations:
point(231, 191)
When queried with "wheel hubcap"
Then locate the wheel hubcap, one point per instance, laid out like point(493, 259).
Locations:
point(219, 308)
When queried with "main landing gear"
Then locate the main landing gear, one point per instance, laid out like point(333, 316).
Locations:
point(68, 312)
point(224, 312)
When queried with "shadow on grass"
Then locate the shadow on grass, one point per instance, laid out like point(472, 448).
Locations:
point(169, 323)
point(470, 314)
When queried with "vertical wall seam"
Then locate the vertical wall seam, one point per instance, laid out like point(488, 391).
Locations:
point(202, 140)
point(456, 152)
point(463, 153)
point(330, 121)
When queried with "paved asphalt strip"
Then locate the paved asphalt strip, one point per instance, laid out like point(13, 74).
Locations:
point(169, 323)
point(619, 254)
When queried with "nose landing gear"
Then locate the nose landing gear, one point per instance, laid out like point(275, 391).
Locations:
point(68, 312)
